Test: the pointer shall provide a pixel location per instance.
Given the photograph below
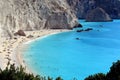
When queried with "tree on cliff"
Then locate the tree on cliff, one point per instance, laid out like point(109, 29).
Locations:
point(13, 73)
point(113, 74)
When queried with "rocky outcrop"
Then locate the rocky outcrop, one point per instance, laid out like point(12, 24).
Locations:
point(82, 7)
point(81, 30)
point(97, 15)
point(20, 33)
point(30, 36)
point(34, 15)
point(77, 7)
point(78, 26)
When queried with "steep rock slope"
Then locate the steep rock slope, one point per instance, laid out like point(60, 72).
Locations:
point(97, 15)
point(82, 7)
point(34, 15)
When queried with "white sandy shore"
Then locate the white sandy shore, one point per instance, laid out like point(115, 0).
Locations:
point(10, 49)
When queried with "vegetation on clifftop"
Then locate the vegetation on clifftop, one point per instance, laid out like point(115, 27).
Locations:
point(113, 74)
point(13, 73)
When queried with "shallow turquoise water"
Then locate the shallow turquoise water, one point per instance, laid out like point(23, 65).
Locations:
point(62, 55)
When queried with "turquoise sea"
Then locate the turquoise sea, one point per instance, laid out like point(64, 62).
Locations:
point(62, 55)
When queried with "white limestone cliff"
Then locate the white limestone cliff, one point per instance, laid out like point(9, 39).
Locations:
point(34, 15)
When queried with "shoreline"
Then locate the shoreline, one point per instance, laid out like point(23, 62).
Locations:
point(11, 49)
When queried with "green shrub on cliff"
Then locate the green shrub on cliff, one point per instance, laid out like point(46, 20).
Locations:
point(113, 74)
point(13, 73)
point(99, 76)
point(59, 78)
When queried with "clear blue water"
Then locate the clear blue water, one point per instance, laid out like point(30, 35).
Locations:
point(62, 55)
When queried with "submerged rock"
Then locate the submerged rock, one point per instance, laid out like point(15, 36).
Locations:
point(97, 15)
point(81, 30)
point(77, 38)
point(88, 29)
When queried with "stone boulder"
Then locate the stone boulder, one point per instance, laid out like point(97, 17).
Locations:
point(77, 38)
point(88, 29)
point(20, 33)
point(30, 36)
point(97, 15)
point(78, 26)
point(81, 30)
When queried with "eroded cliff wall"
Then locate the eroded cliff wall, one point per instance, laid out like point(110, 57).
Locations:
point(34, 15)
point(82, 7)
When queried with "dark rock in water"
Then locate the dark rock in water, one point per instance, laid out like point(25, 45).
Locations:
point(78, 26)
point(88, 29)
point(97, 15)
point(80, 30)
point(101, 25)
point(20, 33)
point(77, 38)
point(98, 30)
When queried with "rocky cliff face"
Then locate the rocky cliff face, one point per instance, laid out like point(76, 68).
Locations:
point(34, 15)
point(82, 7)
point(97, 15)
